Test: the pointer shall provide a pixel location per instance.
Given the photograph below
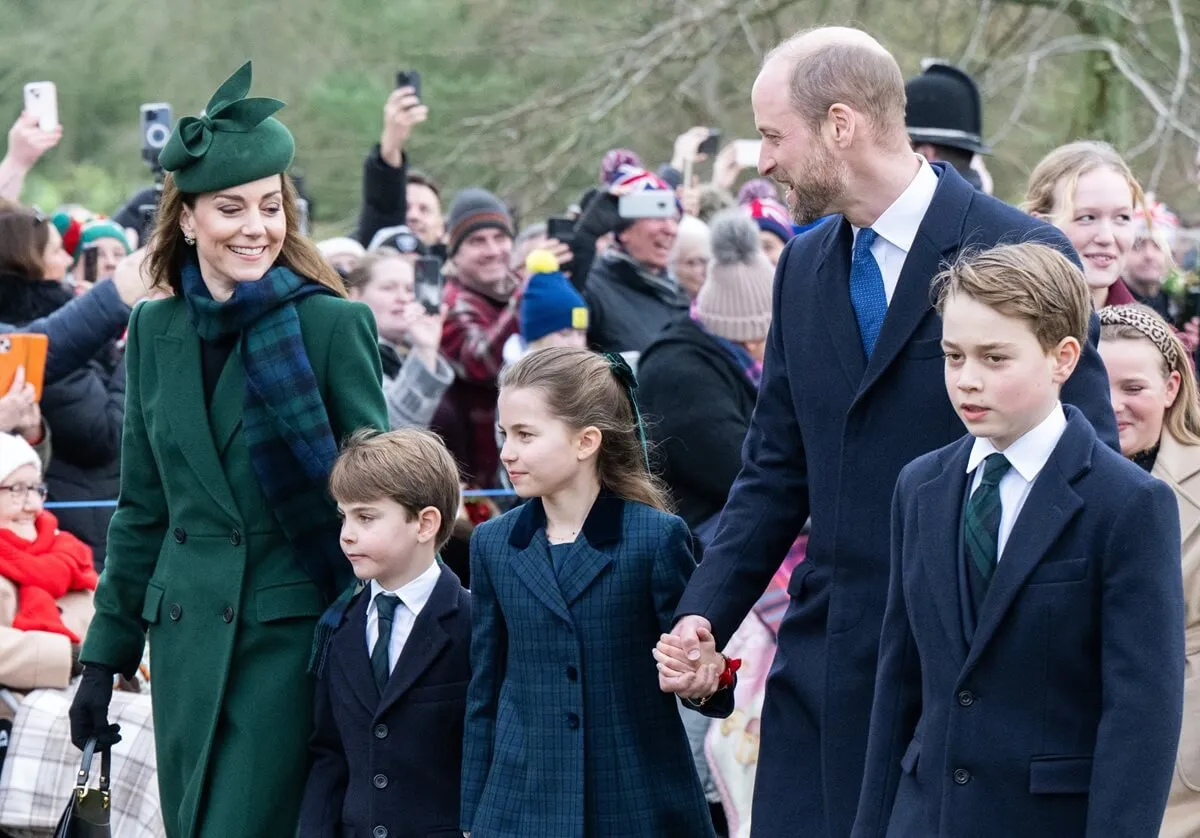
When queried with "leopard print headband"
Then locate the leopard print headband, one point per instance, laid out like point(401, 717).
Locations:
point(1152, 326)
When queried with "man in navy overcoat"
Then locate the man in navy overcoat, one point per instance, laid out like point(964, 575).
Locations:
point(835, 422)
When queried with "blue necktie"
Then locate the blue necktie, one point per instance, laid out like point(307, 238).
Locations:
point(380, 661)
point(981, 528)
point(866, 290)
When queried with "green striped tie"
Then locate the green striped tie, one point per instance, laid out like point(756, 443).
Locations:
point(981, 528)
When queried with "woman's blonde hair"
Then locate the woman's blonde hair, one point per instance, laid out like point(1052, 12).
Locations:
point(582, 390)
point(166, 250)
point(1062, 168)
point(1139, 322)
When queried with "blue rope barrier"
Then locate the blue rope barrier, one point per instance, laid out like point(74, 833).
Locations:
point(97, 504)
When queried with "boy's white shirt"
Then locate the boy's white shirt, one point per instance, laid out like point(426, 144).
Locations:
point(413, 597)
point(1028, 455)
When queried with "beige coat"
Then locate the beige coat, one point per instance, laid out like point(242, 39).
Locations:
point(1178, 465)
point(32, 660)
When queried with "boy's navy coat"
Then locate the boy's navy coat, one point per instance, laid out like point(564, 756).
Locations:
point(829, 436)
point(1061, 717)
point(568, 734)
point(391, 766)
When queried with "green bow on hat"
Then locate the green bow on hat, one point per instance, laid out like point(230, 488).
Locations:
point(236, 140)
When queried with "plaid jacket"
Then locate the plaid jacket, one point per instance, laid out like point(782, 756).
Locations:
point(473, 342)
point(567, 734)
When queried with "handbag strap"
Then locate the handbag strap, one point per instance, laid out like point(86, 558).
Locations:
point(85, 767)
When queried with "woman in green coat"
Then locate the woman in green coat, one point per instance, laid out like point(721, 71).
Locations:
point(224, 545)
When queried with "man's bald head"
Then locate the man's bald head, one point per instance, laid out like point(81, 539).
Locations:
point(838, 64)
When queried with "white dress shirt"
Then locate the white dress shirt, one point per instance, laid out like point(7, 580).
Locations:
point(413, 598)
point(1028, 455)
point(897, 227)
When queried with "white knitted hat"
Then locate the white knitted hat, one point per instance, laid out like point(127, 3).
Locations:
point(14, 453)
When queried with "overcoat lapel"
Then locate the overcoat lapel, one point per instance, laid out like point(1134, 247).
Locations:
point(425, 642)
point(228, 400)
point(935, 245)
point(536, 571)
point(177, 353)
point(1049, 508)
point(349, 652)
point(833, 284)
point(939, 506)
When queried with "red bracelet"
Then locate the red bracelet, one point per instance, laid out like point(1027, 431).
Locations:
point(732, 665)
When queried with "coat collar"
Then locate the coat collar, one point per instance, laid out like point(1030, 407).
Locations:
point(1178, 465)
point(177, 354)
point(425, 643)
point(1051, 505)
point(602, 526)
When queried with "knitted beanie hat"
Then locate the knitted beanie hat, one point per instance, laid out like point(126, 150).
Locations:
point(758, 187)
point(771, 216)
point(70, 228)
point(101, 228)
point(14, 453)
point(550, 303)
point(735, 302)
point(476, 209)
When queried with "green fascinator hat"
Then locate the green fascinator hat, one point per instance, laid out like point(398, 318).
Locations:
point(236, 140)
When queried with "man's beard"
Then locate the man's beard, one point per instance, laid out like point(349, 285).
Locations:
point(817, 189)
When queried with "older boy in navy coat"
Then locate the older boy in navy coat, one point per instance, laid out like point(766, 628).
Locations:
point(391, 696)
point(1030, 677)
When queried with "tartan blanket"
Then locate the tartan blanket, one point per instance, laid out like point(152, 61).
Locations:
point(39, 772)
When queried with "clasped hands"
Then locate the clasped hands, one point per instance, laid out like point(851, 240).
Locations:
point(689, 664)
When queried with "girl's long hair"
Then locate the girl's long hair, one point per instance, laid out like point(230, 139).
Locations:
point(580, 389)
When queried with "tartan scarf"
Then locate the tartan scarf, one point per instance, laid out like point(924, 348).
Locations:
point(291, 442)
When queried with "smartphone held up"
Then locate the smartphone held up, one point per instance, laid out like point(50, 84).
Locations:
point(428, 283)
point(41, 100)
point(409, 78)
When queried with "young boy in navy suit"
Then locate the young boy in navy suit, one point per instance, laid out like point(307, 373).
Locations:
point(391, 696)
point(1030, 678)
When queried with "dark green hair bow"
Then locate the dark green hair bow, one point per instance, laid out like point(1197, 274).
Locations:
point(628, 380)
point(236, 140)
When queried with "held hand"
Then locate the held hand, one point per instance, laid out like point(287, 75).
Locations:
point(693, 630)
point(27, 142)
point(562, 253)
point(687, 679)
point(424, 329)
point(401, 113)
point(15, 404)
point(30, 425)
point(726, 168)
point(89, 709)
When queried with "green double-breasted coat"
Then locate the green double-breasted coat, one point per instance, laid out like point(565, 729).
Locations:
point(197, 559)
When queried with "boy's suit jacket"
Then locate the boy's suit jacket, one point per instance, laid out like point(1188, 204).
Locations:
point(391, 766)
point(1178, 466)
point(1061, 718)
point(568, 734)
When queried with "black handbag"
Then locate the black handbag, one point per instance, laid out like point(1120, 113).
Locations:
point(87, 813)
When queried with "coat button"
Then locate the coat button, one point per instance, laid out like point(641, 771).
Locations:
point(380, 781)
point(573, 721)
point(381, 731)
point(379, 832)
point(176, 611)
point(962, 776)
point(966, 698)
point(235, 538)
point(227, 614)
point(180, 535)
point(572, 673)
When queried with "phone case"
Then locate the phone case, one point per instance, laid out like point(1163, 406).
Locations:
point(23, 350)
point(41, 99)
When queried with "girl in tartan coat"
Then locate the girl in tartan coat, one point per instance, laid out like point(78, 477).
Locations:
point(567, 733)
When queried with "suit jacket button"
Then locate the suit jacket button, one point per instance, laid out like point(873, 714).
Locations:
point(962, 776)
point(180, 535)
point(966, 698)
point(572, 673)
point(381, 731)
point(235, 538)
point(176, 611)
point(573, 721)
point(379, 832)
point(380, 781)
point(227, 614)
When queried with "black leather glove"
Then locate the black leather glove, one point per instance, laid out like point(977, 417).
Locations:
point(89, 710)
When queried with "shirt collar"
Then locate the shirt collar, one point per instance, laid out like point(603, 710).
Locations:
point(899, 222)
point(415, 594)
point(1030, 453)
